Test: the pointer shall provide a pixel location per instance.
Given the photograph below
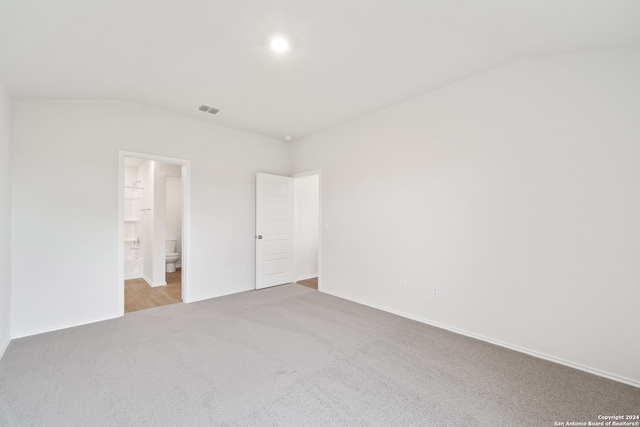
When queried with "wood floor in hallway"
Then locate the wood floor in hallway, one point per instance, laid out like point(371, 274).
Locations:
point(138, 295)
point(309, 283)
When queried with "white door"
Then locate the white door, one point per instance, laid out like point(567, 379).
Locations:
point(274, 230)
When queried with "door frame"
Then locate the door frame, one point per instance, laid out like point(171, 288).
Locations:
point(317, 172)
point(186, 221)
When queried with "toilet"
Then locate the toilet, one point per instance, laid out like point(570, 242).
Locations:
point(171, 256)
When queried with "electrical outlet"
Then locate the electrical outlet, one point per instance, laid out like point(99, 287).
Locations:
point(435, 292)
point(403, 285)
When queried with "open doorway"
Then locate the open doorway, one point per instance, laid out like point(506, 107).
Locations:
point(307, 229)
point(153, 231)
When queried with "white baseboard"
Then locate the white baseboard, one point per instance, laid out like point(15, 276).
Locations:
point(519, 349)
point(308, 276)
point(4, 346)
point(64, 326)
point(215, 295)
point(153, 284)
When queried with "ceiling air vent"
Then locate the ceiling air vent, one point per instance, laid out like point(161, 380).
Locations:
point(208, 109)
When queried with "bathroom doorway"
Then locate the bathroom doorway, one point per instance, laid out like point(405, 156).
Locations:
point(153, 231)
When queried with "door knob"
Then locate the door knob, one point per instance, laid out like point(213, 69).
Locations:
point(259, 236)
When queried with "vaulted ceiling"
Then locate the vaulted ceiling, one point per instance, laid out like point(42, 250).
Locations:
point(347, 57)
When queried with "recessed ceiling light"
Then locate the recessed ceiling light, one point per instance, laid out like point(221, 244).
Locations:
point(279, 44)
point(288, 137)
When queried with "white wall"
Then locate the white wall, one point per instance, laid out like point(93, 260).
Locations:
point(146, 223)
point(158, 211)
point(306, 190)
point(65, 206)
point(174, 212)
point(514, 192)
point(5, 222)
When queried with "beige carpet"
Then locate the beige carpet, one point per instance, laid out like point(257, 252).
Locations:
point(287, 356)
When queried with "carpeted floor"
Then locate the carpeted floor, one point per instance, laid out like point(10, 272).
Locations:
point(287, 356)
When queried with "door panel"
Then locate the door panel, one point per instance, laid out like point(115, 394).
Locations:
point(274, 230)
